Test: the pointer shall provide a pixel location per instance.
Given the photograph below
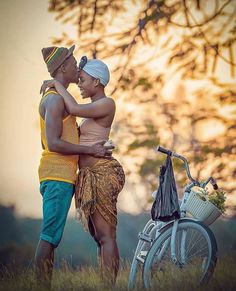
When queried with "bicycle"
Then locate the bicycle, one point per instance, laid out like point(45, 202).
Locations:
point(185, 245)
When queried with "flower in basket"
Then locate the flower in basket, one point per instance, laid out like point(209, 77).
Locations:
point(217, 197)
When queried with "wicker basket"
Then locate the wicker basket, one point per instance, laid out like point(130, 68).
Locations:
point(202, 210)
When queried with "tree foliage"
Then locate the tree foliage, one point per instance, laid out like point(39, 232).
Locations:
point(149, 44)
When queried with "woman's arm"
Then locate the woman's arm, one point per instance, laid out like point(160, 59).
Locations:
point(70, 102)
point(96, 109)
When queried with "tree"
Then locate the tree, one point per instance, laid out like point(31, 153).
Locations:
point(161, 41)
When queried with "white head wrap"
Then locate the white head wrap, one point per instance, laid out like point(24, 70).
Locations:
point(98, 70)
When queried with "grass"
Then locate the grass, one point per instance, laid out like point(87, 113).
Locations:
point(86, 279)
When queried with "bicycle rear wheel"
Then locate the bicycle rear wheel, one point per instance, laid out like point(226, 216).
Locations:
point(196, 254)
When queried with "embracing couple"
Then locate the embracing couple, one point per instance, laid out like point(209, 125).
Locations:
point(67, 147)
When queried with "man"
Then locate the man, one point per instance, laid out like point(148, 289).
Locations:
point(58, 165)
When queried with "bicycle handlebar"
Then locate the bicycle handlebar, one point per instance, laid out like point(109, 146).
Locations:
point(197, 183)
point(164, 151)
point(214, 184)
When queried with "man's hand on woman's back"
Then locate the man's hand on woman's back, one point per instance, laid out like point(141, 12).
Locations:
point(100, 151)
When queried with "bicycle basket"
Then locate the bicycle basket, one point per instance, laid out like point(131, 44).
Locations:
point(202, 210)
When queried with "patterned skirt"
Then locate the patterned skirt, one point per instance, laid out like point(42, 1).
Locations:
point(97, 188)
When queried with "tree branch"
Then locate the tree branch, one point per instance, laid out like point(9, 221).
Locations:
point(94, 15)
point(203, 23)
point(214, 47)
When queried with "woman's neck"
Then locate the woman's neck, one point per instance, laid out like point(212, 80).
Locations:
point(99, 95)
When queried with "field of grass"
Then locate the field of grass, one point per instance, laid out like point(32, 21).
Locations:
point(87, 278)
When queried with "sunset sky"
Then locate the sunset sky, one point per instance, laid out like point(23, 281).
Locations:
point(27, 27)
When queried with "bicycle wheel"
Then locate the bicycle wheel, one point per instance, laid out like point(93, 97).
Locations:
point(196, 254)
point(141, 246)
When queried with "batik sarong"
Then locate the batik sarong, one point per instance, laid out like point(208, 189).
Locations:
point(97, 188)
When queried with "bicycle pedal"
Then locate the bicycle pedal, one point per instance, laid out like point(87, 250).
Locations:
point(141, 256)
point(145, 237)
point(141, 260)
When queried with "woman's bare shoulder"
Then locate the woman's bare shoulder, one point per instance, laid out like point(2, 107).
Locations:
point(108, 100)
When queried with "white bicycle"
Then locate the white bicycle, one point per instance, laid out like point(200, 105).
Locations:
point(183, 248)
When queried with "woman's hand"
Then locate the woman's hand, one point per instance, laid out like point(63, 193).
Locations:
point(47, 84)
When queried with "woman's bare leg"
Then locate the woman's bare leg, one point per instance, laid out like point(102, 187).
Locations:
point(92, 233)
point(106, 236)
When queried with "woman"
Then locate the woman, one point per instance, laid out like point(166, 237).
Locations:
point(99, 180)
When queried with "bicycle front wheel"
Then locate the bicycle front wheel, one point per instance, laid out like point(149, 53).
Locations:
point(195, 251)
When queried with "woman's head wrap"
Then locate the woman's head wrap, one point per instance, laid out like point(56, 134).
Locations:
point(98, 70)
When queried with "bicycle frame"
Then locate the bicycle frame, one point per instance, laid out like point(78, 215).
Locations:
point(187, 191)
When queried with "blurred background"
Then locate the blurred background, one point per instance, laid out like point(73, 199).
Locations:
point(173, 78)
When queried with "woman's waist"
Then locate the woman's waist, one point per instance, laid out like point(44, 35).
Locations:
point(87, 161)
point(91, 162)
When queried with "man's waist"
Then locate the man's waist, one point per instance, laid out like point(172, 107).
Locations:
point(59, 169)
point(57, 156)
point(46, 152)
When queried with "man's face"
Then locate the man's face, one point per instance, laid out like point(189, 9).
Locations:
point(71, 69)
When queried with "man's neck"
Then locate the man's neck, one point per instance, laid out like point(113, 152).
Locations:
point(62, 81)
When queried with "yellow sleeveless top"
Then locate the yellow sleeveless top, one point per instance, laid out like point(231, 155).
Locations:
point(55, 166)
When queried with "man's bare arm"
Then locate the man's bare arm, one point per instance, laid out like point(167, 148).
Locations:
point(54, 122)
